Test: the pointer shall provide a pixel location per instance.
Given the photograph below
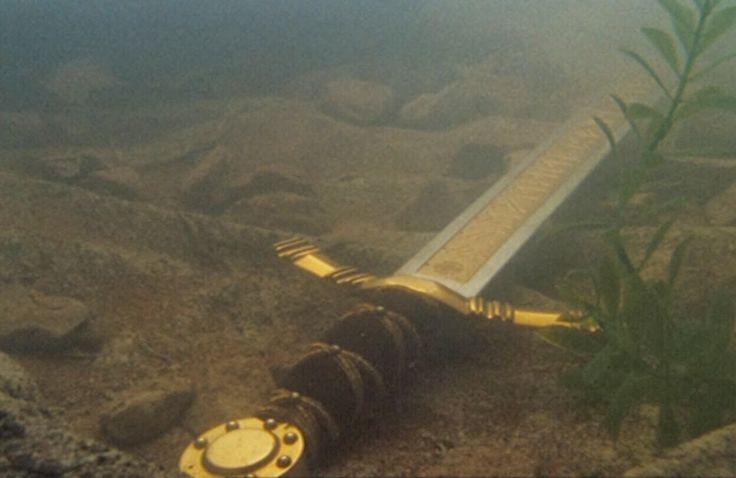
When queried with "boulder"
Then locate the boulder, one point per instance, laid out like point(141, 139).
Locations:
point(36, 323)
point(140, 416)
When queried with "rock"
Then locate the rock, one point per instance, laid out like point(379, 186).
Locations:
point(721, 210)
point(434, 207)
point(65, 167)
point(39, 324)
point(266, 182)
point(477, 161)
point(122, 182)
point(464, 100)
point(284, 211)
point(35, 442)
point(709, 455)
point(357, 100)
point(15, 382)
point(144, 415)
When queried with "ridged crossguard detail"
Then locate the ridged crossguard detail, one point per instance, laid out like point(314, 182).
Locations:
point(491, 309)
point(309, 257)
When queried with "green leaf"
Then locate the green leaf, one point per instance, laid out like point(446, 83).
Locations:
point(631, 182)
point(645, 112)
point(664, 44)
point(678, 255)
point(597, 372)
point(575, 341)
point(644, 315)
point(625, 111)
point(614, 239)
point(683, 21)
point(707, 97)
point(655, 242)
point(713, 66)
point(640, 111)
point(719, 23)
point(607, 131)
point(648, 68)
point(609, 288)
point(634, 389)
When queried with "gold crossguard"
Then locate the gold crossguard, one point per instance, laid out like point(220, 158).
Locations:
point(310, 258)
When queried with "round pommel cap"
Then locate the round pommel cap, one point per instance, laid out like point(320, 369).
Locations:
point(246, 446)
point(240, 451)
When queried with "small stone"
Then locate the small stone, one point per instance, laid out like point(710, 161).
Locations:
point(39, 324)
point(144, 415)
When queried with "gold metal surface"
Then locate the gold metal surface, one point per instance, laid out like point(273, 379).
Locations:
point(246, 446)
point(312, 260)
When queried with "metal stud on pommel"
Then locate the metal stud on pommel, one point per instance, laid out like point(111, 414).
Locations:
point(248, 446)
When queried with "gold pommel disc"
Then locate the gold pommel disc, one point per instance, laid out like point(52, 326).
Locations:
point(246, 447)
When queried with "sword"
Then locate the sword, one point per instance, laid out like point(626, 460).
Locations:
point(423, 305)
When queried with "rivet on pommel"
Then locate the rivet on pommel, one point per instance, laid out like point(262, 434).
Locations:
point(295, 396)
point(290, 438)
point(380, 309)
point(232, 425)
point(283, 461)
point(335, 349)
point(200, 443)
point(270, 424)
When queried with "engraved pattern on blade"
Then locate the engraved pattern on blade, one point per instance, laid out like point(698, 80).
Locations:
point(475, 243)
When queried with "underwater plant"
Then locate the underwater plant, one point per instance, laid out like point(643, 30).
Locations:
point(644, 353)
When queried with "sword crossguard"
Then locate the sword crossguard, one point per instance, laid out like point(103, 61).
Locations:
point(310, 258)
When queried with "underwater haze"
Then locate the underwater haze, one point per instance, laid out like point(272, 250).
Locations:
point(155, 153)
point(264, 44)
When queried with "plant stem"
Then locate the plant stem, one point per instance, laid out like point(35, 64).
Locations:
point(683, 80)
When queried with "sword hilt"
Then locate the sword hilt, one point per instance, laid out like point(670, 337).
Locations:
point(310, 258)
point(346, 377)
